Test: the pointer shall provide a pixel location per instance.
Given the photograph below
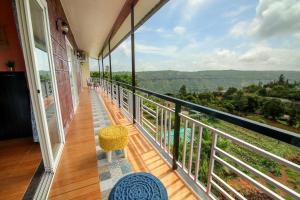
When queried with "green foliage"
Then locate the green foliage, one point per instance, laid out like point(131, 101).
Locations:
point(45, 76)
point(230, 92)
point(252, 100)
point(272, 166)
point(294, 113)
point(10, 63)
point(252, 88)
point(262, 92)
point(182, 91)
point(123, 77)
point(207, 81)
point(273, 108)
point(97, 74)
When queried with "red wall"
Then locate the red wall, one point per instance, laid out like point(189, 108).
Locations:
point(60, 60)
point(13, 51)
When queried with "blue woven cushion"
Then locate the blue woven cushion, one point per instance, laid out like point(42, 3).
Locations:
point(139, 186)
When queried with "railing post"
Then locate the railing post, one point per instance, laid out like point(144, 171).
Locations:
point(99, 72)
point(211, 161)
point(119, 98)
point(103, 73)
point(110, 71)
point(176, 135)
point(133, 83)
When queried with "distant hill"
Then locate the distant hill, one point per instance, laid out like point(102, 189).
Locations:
point(170, 81)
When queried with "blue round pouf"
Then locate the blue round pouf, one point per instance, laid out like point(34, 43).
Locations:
point(139, 186)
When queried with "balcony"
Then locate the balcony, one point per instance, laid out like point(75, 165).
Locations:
point(195, 150)
point(77, 174)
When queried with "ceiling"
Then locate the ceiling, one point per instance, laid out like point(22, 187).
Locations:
point(91, 21)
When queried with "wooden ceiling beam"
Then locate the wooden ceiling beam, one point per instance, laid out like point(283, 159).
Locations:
point(125, 11)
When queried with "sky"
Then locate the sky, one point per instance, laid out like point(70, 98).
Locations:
point(195, 35)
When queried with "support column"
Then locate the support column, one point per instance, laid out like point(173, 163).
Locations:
point(176, 136)
point(99, 72)
point(102, 67)
point(110, 71)
point(133, 84)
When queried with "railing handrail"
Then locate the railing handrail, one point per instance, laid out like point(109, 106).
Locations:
point(264, 129)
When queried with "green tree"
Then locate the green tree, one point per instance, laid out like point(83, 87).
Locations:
point(281, 79)
point(230, 91)
point(182, 92)
point(220, 89)
point(240, 103)
point(294, 115)
point(273, 108)
point(252, 103)
point(262, 92)
point(293, 118)
point(252, 88)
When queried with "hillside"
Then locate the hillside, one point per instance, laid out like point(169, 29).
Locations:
point(170, 81)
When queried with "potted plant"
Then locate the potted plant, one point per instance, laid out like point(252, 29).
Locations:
point(10, 64)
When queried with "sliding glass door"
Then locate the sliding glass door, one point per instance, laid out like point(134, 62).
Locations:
point(51, 131)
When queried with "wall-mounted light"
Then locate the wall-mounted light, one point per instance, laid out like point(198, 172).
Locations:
point(62, 26)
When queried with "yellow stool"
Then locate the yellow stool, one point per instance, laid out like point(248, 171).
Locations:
point(114, 137)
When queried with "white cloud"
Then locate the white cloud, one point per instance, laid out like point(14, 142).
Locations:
point(160, 30)
point(125, 48)
point(169, 50)
point(277, 17)
point(297, 36)
point(180, 30)
point(236, 13)
point(273, 18)
point(192, 7)
point(239, 29)
point(256, 57)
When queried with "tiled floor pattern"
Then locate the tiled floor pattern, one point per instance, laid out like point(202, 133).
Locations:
point(109, 173)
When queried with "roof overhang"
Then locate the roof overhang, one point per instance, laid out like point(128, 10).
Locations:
point(96, 22)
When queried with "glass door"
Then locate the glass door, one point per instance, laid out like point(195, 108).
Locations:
point(72, 73)
point(45, 77)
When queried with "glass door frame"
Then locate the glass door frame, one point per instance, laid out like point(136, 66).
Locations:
point(28, 46)
point(72, 70)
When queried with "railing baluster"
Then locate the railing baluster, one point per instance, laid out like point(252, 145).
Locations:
point(211, 161)
point(169, 132)
point(141, 111)
point(191, 149)
point(161, 125)
point(184, 143)
point(157, 123)
point(129, 103)
point(165, 129)
point(137, 108)
point(198, 152)
point(119, 98)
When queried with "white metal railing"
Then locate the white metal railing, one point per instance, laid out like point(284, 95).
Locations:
point(217, 153)
point(157, 120)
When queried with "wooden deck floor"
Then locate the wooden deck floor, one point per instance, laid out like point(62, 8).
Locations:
point(77, 174)
point(144, 158)
point(19, 159)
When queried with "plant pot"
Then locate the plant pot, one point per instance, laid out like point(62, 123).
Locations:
point(11, 69)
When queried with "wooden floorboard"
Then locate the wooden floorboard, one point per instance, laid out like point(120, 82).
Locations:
point(144, 157)
point(19, 159)
point(77, 173)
